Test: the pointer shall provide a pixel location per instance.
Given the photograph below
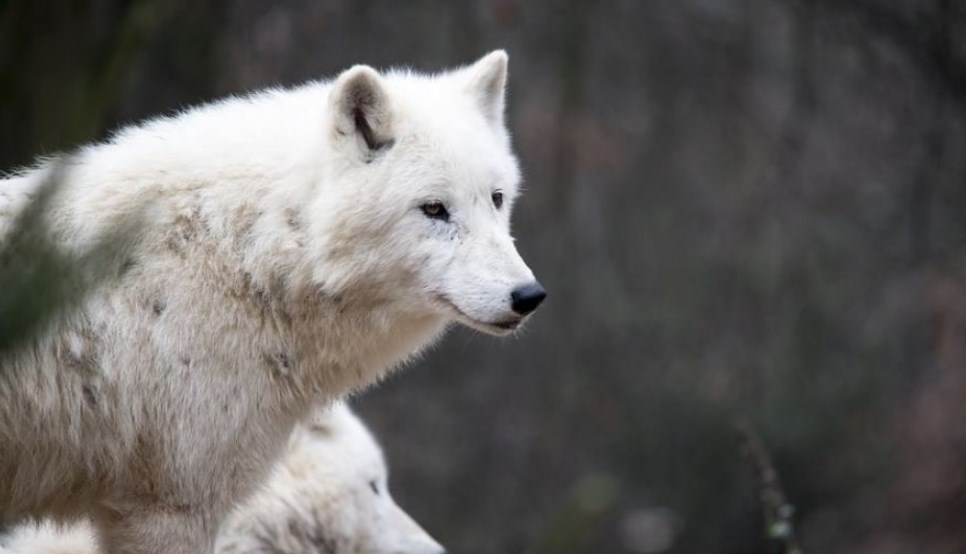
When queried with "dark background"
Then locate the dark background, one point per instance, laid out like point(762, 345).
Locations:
point(744, 210)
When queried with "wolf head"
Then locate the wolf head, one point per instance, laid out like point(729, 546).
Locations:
point(422, 179)
point(337, 457)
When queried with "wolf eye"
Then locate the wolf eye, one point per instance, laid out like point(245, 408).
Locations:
point(374, 487)
point(497, 199)
point(435, 210)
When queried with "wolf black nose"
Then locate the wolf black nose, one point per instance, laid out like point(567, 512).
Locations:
point(526, 298)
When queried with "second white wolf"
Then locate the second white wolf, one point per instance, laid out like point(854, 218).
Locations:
point(329, 495)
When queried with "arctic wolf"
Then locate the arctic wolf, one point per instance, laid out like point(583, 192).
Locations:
point(293, 245)
point(328, 495)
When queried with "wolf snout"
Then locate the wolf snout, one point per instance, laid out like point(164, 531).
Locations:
point(525, 299)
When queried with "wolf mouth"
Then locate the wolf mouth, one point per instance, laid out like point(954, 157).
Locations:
point(491, 327)
point(508, 325)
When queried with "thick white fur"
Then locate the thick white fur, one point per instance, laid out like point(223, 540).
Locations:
point(328, 495)
point(47, 538)
point(281, 259)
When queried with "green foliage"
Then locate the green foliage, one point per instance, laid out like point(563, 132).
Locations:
point(33, 272)
point(38, 278)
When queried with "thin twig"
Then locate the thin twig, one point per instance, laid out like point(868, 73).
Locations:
point(777, 510)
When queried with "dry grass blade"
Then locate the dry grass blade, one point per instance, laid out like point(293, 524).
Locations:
point(777, 510)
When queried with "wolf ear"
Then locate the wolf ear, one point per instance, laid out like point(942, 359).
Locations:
point(361, 109)
point(487, 84)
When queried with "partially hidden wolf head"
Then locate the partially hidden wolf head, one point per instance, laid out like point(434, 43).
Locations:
point(419, 183)
point(336, 462)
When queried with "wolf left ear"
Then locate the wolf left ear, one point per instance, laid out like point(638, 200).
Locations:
point(361, 108)
point(487, 83)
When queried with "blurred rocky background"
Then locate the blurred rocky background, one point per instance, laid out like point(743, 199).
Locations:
point(744, 211)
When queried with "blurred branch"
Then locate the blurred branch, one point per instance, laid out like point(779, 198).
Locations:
point(777, 511)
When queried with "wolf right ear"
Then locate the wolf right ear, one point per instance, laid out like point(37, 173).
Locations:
point(487, 84)
point(361, 109)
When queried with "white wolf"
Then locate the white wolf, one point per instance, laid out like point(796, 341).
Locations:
point(328, 495)
point(293, 245)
